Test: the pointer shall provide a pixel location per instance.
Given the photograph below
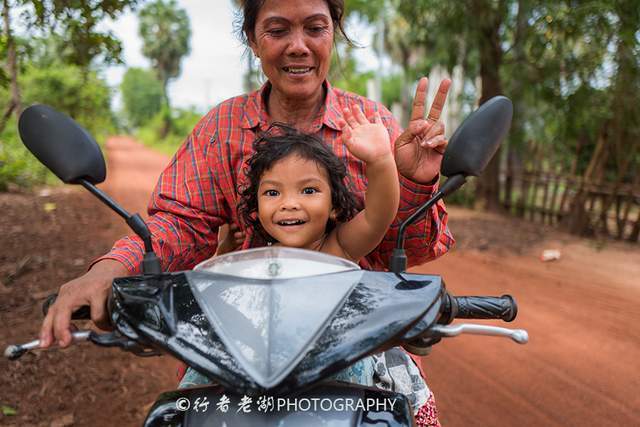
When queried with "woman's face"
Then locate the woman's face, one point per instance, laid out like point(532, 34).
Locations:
point(293, 39)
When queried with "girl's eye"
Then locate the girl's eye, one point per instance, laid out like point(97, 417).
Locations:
point(309, 190)
point(271, 193)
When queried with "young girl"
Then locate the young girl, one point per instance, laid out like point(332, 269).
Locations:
point(296, 195)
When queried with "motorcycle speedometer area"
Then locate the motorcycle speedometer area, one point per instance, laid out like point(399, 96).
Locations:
point(275, 262)
point(269, 305)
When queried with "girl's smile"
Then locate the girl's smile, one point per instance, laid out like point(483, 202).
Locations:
point(294, 202)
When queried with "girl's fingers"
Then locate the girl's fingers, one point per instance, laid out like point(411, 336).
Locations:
point(377, 118)
point(348, 116)
point(359, 115)
point(346, 135)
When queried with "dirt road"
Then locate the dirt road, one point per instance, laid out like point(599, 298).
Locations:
point(579, 368)
point(581, 364)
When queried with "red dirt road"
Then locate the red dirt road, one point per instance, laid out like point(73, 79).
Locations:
point(581, 364)
point(581, 311)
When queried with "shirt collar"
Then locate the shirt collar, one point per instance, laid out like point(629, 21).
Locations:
point(255, 113)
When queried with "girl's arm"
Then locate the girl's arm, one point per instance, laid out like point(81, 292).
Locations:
point(370, 143)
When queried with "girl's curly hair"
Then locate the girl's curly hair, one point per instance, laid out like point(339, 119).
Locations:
point(278, 142)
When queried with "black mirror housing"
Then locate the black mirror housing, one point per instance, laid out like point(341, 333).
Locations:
point(477, 139)
point(62, 145)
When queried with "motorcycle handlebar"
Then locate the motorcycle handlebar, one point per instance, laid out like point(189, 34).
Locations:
point(480, 307)
point(83, 313)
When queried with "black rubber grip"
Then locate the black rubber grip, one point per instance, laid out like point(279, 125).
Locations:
point(503, 307)
point(83, 313)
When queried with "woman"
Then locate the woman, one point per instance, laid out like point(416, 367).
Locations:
point(197, 194)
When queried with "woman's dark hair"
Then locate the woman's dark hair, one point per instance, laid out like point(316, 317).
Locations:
point(246, 23)
point(278, 142)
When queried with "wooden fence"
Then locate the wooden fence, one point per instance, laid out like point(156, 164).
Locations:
point(581, 207)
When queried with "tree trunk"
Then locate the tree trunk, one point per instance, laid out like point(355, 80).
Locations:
point(578, 221)
point(516, 140)
point(15, 104)
point(489, 23)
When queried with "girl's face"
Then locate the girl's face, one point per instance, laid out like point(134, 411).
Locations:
point(294, 202)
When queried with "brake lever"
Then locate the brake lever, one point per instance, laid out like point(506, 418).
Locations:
point(112, 339)
point(518, 335)
point(15, 351)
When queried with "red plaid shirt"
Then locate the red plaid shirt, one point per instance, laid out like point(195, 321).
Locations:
point(197, 192)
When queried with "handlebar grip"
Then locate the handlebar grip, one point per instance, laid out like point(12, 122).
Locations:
point(83, 313)
point(473, 307)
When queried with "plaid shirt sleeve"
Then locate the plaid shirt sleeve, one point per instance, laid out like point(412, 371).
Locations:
point(186, 208)
point(426, 239)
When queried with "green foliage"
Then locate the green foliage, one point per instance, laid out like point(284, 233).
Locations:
point(183, 121)
point(142, 96)
point(67, 88)
point(56, 63)
point(165, 32)
point(18, 167)
point(76, 27)
point(344, 73)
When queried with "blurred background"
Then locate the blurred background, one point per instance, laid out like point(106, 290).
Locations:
point(151, 69)
point(555, 218)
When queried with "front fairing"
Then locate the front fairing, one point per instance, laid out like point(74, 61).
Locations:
point(318, 325)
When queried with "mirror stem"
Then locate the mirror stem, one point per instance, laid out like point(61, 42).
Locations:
point(150, 262)
point(398, 262)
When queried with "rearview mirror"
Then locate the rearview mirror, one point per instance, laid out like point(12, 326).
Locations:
point(469, 150)
point(477, 139)
point(62, 145)
point(68, 150)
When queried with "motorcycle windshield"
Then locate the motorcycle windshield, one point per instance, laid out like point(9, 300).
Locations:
point(269, 305)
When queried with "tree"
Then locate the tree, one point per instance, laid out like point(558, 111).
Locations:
point(9, 46)
point(75, 25)
point(68, 88)
point(142, 95)
point(166, 33)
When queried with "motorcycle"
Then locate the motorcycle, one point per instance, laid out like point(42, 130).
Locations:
point(270, 325)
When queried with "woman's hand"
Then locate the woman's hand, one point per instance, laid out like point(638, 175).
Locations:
point(419, 149)
point(90, 289)
point(368, 141)
point(230, 238)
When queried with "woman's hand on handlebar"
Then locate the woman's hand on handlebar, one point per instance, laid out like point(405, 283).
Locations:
point(92, 289)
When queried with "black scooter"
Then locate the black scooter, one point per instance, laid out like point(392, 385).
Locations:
point(270, 324)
